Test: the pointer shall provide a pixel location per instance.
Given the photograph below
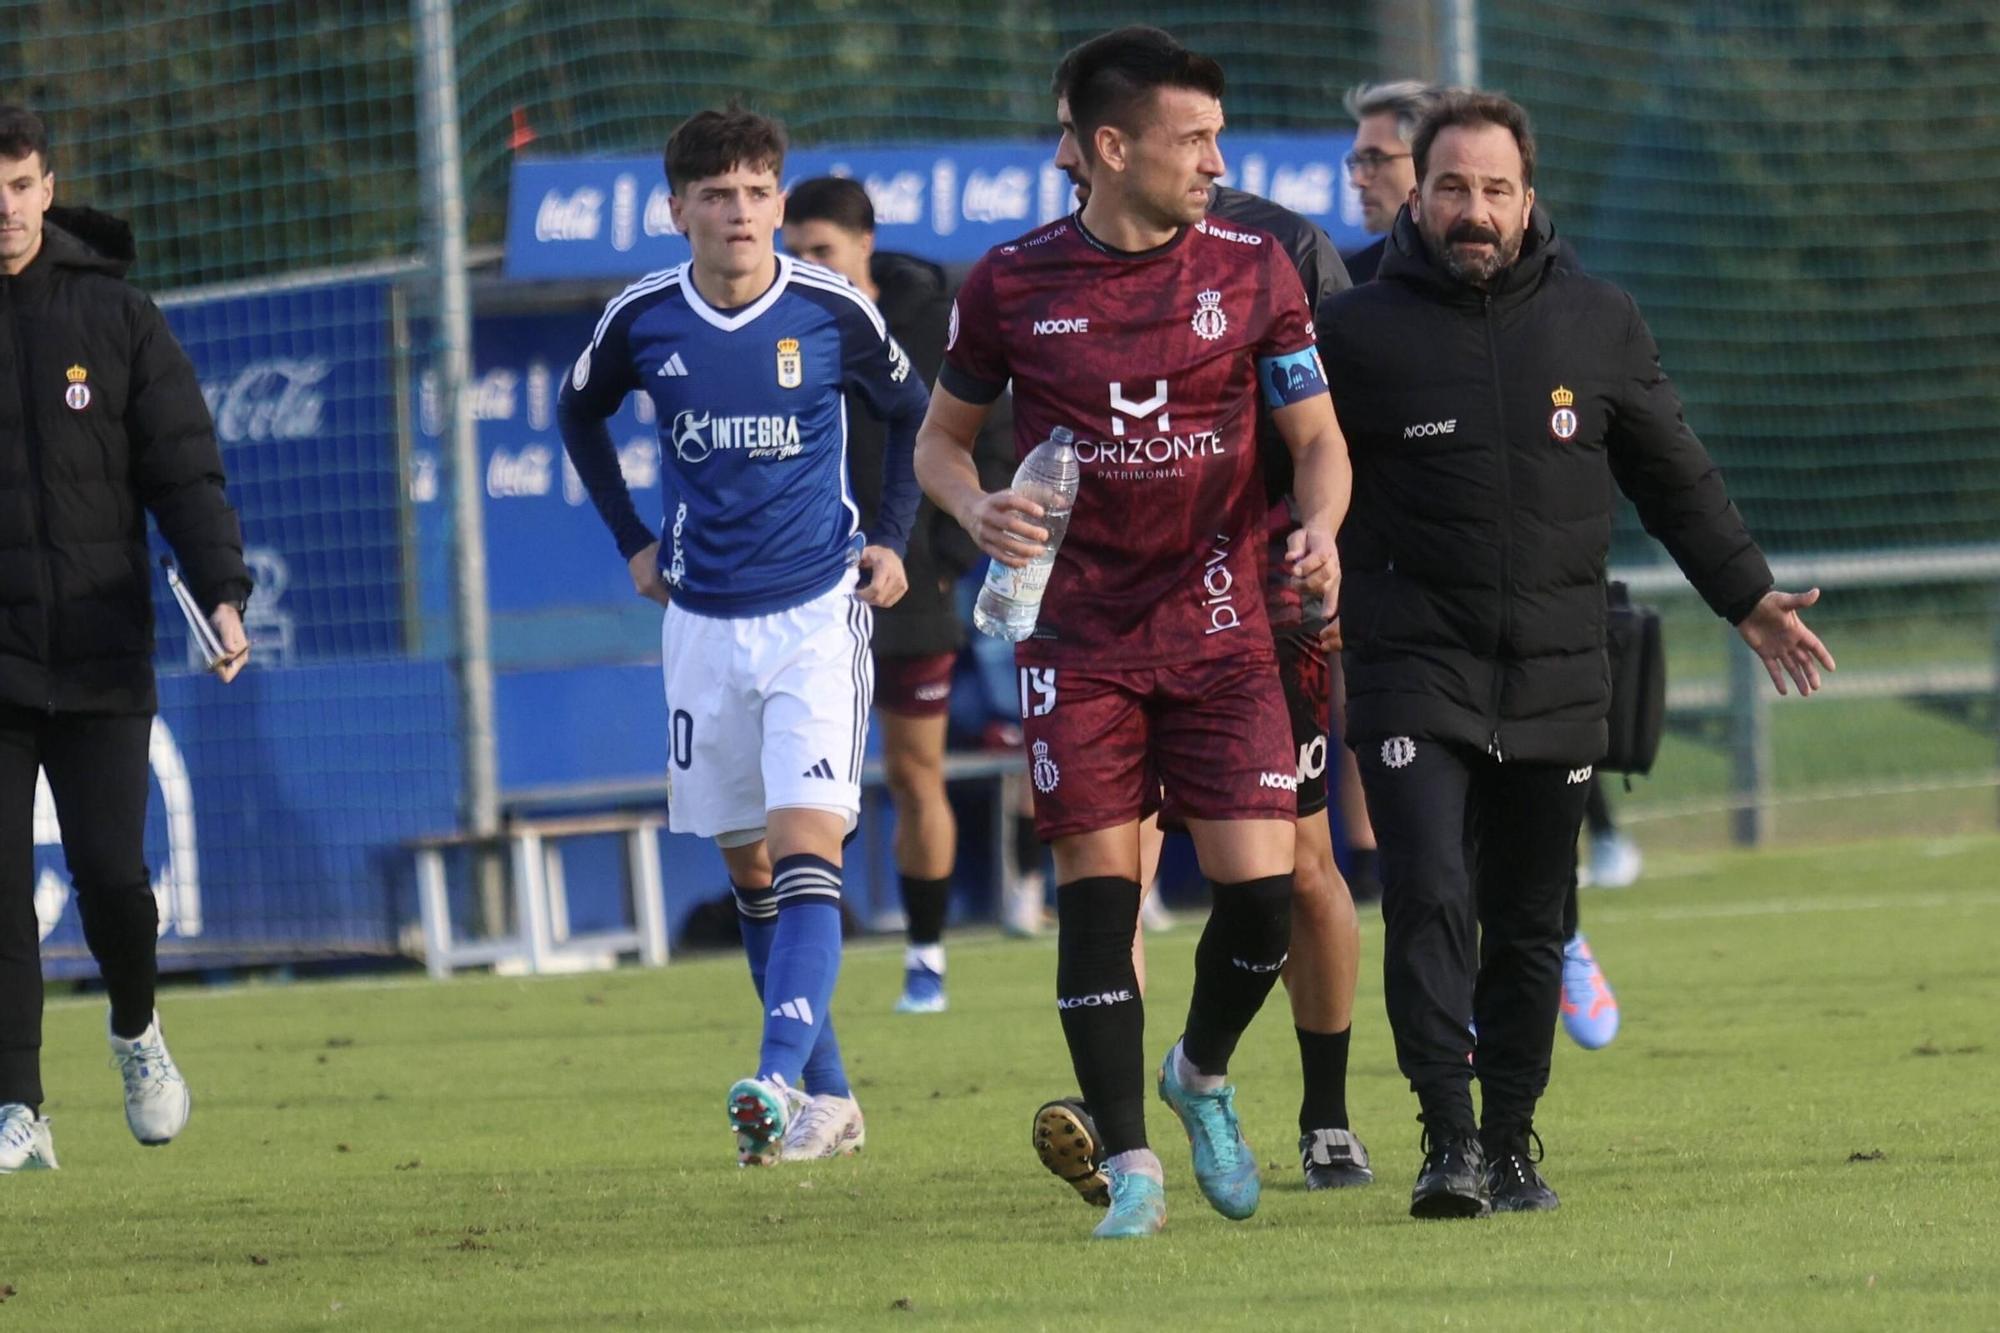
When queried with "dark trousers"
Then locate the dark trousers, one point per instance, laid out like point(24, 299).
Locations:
point(1477, 857)
point(97, 766)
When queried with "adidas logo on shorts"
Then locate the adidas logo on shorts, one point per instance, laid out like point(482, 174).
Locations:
point(820, 770)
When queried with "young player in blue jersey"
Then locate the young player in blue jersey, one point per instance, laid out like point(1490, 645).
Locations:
point(766, 577)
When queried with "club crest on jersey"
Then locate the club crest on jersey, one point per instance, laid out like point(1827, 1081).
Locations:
point(791, 366)
point(1563, 421)
point(1209, 321)
point(1047, 775)
point(77, 395)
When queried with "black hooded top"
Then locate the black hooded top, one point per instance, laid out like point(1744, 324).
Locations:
point(1486, 428)
point(101, 421)
point(915, 301)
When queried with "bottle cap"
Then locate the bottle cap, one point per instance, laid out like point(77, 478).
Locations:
point(1062, 435)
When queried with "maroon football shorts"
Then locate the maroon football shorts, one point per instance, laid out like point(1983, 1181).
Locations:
point(1302, 670)
point(1103, 743)
point(914, 686)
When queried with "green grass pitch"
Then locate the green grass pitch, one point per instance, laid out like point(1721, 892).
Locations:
point(1797, 1128)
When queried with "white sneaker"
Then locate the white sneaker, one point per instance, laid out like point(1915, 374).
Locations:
point(1153, 913)
point(25, 1143)
point(157, 1100)
point(829, 1126)
point(1615, 861)
point(1021, 909)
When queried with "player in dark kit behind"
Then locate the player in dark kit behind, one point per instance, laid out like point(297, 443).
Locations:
point(1151, 334)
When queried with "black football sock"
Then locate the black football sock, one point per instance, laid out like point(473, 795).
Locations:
point(1323, 1062)
point(1103, 1017)
point(926, 903)
point(1027, 847)
point(1242, 950)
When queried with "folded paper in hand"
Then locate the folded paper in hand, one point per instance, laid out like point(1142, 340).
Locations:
point(199, 630)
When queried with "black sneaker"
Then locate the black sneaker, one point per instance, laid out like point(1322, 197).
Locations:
point(1066, 1140)
point(1511, 1178)
point(1453, 1181)
point(1334, 1159)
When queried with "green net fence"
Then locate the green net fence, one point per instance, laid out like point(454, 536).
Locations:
point(1804, 198)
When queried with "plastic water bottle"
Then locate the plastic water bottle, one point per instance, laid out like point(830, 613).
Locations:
point(1012, 598)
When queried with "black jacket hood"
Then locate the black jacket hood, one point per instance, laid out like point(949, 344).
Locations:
point(905, 282)
point(87, 239)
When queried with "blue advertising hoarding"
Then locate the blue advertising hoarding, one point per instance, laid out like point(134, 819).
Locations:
point(277, 811)
point(949, 202)
point(557, 588)
point(301, 387)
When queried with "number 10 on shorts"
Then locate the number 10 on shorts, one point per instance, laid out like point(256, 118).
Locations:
point(1038, 691)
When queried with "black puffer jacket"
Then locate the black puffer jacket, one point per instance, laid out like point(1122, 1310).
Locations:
point(1486, 430)
point(101, 420)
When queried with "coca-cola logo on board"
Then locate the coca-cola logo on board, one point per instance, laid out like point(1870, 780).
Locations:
point(279, 398)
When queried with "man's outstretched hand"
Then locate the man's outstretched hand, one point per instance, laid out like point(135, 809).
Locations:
point(1784, 644)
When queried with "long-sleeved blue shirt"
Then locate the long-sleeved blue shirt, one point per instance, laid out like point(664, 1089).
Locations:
point(753, 433)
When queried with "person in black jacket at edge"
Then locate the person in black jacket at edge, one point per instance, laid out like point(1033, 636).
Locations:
point(1383, 172)
point(101, 421)
point(1485, 388)
point(831, 222)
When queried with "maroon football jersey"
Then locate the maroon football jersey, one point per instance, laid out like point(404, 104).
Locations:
point(1155, 361)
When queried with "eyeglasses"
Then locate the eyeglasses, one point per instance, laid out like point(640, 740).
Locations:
point(1370, 162)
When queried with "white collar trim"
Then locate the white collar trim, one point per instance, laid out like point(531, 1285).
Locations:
point(732, 322)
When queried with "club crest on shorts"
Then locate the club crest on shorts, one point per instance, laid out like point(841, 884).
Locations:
point(77, 395)
point(791, 366)
point(1209, 321)
point(1563, 421)
point(1047, 775)
point(1399, 752)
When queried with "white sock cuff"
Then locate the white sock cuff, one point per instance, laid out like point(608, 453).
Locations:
point(1193, 1079)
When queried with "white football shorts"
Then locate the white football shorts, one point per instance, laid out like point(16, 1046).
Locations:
point(765, 712)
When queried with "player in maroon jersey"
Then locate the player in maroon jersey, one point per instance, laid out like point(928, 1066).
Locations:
point(1151, 334)
point(1326, 943)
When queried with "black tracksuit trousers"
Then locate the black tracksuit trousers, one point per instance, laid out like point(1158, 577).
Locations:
point(1477, 857)
point(97, 767)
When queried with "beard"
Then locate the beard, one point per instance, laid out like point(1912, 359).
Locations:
point(1476, 269)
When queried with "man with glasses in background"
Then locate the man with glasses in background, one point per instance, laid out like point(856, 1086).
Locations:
point(1380, 164)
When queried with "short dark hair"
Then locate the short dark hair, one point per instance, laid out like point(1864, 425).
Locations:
point(1112, 77)
point(712, 142)
point(21, 133)
point(1460, 108)
point(836, 199)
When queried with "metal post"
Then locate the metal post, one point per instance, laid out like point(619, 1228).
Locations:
point(1749, 744)
point(437, 88)
point(1406, 40)
point(1459, 41)
point(1996, 685)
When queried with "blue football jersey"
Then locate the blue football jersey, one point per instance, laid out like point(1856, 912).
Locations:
point(752, 413)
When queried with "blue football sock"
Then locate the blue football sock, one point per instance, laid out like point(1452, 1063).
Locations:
point(825, 1075)
point(804, 963)
point(757, 919)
